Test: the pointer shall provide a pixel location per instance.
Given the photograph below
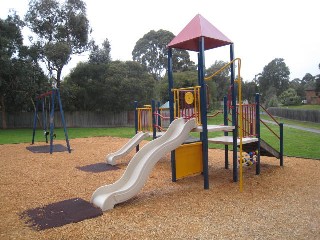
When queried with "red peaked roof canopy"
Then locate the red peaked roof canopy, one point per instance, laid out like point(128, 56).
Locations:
point(188, 38)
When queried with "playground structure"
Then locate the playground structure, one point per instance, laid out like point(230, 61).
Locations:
point(188, 105)
point(41, 100)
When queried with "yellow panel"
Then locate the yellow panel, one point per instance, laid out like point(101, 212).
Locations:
point(188, 159)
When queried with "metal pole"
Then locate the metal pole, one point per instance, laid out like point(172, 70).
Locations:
point(35, 121)
point(234, 116)
point(203, 107)
point(52, 120)
point(63, 121)
point(225, 122)
point(153, 110)
point(136, 120)
point(258, 132)
point(170, 87)
point(159, 117)
point(281, 144)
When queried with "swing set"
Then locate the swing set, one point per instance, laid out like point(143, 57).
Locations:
point(46, 102)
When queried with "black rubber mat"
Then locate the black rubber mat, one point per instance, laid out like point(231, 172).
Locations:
point(98, 167)
point(46, 148)
point(60, 213)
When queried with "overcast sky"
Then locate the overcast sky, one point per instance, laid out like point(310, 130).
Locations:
point(261, 30)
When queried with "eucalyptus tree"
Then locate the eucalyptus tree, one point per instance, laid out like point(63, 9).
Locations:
point(108, 87)
point(20, 74)
point(100, 55)
point(10, 42)
point(274, 78)
point(61, 30)
point(221, 82)
point(151, 51)
point(308, 81)
point(318, 81)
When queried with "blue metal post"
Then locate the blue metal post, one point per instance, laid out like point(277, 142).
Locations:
point(170, 87)
point(203, 101)
point(35, 121)
point(63, 121)
point(257, 98)
point(136, 120)
point(52, 120)
point(234, 117)
point(281, 144)
point(225, 122)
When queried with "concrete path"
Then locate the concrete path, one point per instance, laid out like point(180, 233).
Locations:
point(296, 127)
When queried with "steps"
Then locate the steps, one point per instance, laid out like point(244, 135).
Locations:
point(265, 149)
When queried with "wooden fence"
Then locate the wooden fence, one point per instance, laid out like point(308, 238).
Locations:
point(296, 114)
point(73, 119)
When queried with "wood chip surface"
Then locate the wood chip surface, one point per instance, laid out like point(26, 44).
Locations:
point(280, 203)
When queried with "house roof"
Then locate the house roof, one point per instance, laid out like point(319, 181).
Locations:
point(188, 38)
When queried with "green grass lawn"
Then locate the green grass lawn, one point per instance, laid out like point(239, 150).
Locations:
point(305, 107)
point(25, 135)
point(296, 142)
point(293, 122)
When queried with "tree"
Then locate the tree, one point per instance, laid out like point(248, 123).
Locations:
point(273, 102)
point(290, 97)
point(249, 89)
point(101, 55)
point(308, 80)
point(20, 75)
point(297, 85)
point(274, 75)
point(61, 31)
point(151, 51)
point(83, 87)
point(222, 80)
point(107, 87)
point(10, 42)
point(318, 81)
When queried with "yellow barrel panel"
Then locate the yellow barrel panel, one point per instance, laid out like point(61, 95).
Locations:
point(188, 159)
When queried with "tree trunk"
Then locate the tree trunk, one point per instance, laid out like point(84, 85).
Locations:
point(3, 113)
point(59, 77)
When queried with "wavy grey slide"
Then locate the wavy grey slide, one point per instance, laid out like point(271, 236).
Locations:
point(132, 143)
point(141, 165)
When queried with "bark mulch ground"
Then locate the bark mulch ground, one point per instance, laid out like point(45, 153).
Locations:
point(36, 189)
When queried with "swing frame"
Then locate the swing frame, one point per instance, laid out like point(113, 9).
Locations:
point(54, 93)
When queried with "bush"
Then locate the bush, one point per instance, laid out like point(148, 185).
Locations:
point(290, 97)
point(273, 102)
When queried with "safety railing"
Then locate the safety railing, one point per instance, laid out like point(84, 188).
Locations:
point(161, 119)
point(144, 116)
point(187, 103)
point(248, 119)
point(274, 120)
